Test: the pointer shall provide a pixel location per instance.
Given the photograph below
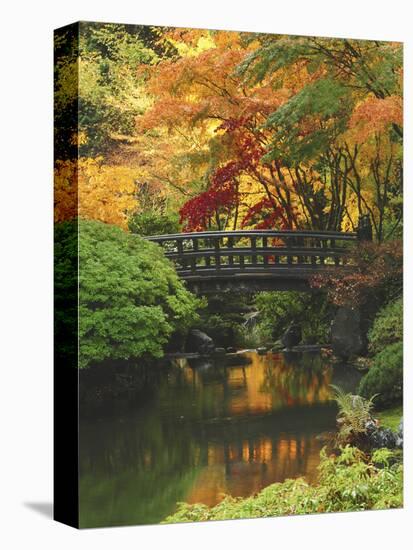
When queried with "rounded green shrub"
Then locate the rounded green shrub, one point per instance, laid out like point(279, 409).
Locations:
point(385, 377)
point(130, 297)
point(388, 326)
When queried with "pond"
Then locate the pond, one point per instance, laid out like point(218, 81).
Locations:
point(207, 429)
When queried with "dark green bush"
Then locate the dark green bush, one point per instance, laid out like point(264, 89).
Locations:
point(385, 377)
point(220, 327)
point(224, 317)
point(388, 326)
point(65, 291)
point(279, 309)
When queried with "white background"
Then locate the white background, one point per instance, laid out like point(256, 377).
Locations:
point(26, 271)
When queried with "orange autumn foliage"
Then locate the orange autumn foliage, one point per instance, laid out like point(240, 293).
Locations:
point(374, 115)
point(203, 88)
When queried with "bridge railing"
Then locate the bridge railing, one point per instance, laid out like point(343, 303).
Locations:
point(254, 250)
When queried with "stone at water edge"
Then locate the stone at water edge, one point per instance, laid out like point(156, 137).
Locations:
point(277, 346)
point(199, 342)
point(382, 437)
point(399, 435)
point(292, 336)
point(219, 351)
point(262, 351)
point(231, 350)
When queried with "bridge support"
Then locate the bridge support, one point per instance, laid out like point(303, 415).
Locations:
point(365, 229)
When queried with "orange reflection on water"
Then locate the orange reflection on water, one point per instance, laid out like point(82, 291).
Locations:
point(242, 465)
point(245, 470)
point(269, 383)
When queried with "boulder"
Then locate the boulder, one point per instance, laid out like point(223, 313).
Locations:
point(262, 351)
point(199, 342)
point(380, 437)
point(399, 441)
point(292, 336)
point(346, 334)
point(277, 346)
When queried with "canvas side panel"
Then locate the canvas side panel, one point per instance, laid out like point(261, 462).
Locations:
point(66, 403)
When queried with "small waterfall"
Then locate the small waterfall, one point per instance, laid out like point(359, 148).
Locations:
point(251, 319)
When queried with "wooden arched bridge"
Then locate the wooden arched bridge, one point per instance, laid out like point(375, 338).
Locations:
point(255, 260)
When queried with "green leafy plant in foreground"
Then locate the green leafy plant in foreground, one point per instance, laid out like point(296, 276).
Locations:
point(351, 481)
point(354, 412)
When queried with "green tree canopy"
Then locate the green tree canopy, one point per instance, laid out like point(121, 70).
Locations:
point(154, 223)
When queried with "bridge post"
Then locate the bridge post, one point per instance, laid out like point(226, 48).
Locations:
point(217, 256)
point(365, 229)
point(300, 243)
point(181, 253)
point(195, 249)
point(230, 245)
point(253, 241)
point(289, 243)
point(265, 245)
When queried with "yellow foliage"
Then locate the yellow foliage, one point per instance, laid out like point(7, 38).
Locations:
point(204, 42)
point(92, 190)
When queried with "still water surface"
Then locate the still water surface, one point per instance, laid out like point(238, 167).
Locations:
point(206, 430)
